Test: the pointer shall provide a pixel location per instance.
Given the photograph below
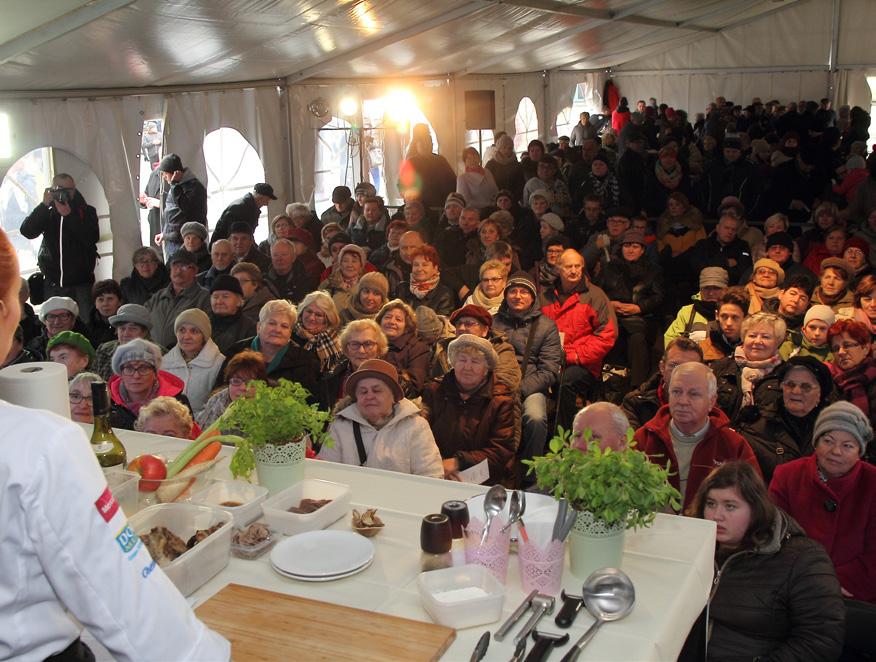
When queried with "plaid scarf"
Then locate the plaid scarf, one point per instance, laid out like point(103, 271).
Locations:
point(853, 384)
point(325, 343)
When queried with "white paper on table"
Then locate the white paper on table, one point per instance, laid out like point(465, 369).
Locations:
point(478, 474)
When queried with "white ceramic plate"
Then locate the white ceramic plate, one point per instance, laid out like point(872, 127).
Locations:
point(330, 578)
point(322, 553)
point(540, 508)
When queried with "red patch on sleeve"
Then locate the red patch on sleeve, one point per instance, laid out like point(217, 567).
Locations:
point(107, 505)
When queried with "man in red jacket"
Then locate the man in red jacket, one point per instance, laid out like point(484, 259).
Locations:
point(691, 433)
point(588, 327)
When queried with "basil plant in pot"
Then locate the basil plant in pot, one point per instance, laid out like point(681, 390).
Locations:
point(611, 490)
point(273, 425)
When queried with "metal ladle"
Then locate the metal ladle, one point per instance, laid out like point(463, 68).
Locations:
point(494, 503)
point(609, 595)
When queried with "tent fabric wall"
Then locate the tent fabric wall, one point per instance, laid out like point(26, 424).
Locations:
point(255, 112)
point(103, 133)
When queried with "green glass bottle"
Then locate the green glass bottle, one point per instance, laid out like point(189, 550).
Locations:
point(106, 445)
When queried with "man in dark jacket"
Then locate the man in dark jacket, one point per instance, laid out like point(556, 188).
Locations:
point(245, 210)
point(641, 405)
point(731, 176)
point(793, 301)
point(632, 171)
point(186, 200)
point(182, 293)
point(722, 248)
point(794, 188)
point(287, 277)
point(222, 259)
point(244, 249)
point(539, 352)
point(68, 251)
point(226, 316)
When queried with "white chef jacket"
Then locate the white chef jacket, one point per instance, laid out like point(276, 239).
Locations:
point(65, 544)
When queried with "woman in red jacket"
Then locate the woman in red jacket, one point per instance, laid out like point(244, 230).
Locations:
point(832, 494)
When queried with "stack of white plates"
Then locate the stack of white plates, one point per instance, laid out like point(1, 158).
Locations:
point(322, 556)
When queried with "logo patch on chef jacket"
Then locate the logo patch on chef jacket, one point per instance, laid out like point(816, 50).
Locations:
point(107, 505)
point(128, 540)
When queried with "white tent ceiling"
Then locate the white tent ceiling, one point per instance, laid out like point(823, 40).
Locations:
point(79, 44)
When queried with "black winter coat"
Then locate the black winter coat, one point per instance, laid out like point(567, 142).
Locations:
point(766, 392)
point(641, 404)
point(294, 286)
point(230, 329)
point(136, 289)
point(68, 250)
point(442, 300)
point(778, 602)
point(709, 252)
point(639, 282)
point(775, 436)
point(243, 210)
point(721, 179)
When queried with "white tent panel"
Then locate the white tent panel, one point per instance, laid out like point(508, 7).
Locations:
point(857, 25)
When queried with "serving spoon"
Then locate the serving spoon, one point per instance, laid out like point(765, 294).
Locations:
point(494, 503)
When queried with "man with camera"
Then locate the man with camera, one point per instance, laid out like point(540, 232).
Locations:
point(68, 252)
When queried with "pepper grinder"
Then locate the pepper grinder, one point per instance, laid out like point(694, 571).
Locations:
point(457, 512)
point(435, 541)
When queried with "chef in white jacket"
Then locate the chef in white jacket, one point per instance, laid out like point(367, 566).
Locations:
point(65, 544)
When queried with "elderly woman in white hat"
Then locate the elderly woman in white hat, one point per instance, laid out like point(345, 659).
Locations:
point(472, 416)
point(195, 358)
point(57, 314)
point(137, 380)
point(376, 426)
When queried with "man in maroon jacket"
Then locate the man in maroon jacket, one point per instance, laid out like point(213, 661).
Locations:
point(691, 433)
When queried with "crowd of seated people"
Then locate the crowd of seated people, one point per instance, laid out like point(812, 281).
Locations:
point(492, 306)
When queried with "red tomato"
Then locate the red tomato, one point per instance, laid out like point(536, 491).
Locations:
point(149, 467)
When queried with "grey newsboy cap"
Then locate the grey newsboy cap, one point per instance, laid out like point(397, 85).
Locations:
point(131, 312)
point(481, 344)
point(136, 350)
point(847, 417)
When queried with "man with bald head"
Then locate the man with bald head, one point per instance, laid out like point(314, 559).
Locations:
point(397, 268)
point(607, 424)
point(588, 326)
point(691, 433)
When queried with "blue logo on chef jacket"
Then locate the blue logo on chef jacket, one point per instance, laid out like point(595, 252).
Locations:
point(128, 541)
point(148, 570)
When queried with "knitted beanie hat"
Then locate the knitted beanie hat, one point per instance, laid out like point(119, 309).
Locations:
point(846, 417)
point(197, 318)
point(136, 350)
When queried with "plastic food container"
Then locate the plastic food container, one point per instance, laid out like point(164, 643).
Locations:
point(253, 551)
point(172, 490)
point(198, 565)
point(222, 492)
point(123, 484)
point(444, 596)
point(278, 517)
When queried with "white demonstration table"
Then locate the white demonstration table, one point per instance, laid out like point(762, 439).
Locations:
point(670, 564)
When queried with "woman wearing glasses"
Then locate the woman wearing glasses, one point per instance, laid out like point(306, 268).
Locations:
point(361, 340)
point(81, 406)
point(284, 359)
point(853, 368)
point(137, 380)
point(832, 494)
point(781, 432)
point(245, 367)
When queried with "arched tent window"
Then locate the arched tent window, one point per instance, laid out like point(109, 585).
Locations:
point(525, 124)
point(480, 143)
point(22, 190)
point(337, 161)
point(233, 168)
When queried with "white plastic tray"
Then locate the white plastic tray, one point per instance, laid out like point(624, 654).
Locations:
point(278, 517)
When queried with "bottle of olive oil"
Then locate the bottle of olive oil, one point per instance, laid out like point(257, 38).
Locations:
point(106, 445)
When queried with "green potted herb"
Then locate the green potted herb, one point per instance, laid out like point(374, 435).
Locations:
point(274, 424)
point(611, 490)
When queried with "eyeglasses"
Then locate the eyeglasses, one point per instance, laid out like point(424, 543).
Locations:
point(238, 381)
point(492, 280)
point(764, 271)
point(76, 398)
point(555, 251)
point(130, 370)
point(57, 317)
point(846, 346)
point(805, 388)
point(367, 345)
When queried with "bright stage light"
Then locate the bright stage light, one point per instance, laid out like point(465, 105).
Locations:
point(400, 106)
point(348, 106)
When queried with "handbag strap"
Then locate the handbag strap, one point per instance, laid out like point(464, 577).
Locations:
point(360, 446)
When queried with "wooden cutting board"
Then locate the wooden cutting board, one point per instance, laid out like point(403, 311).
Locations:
point(263, 625)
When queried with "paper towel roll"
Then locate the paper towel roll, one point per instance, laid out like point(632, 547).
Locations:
point(40, 385)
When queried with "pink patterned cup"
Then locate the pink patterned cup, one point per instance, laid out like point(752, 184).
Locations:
point(494, 553)
point(541, 567)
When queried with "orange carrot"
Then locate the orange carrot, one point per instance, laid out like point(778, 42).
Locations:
point(205, 455)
